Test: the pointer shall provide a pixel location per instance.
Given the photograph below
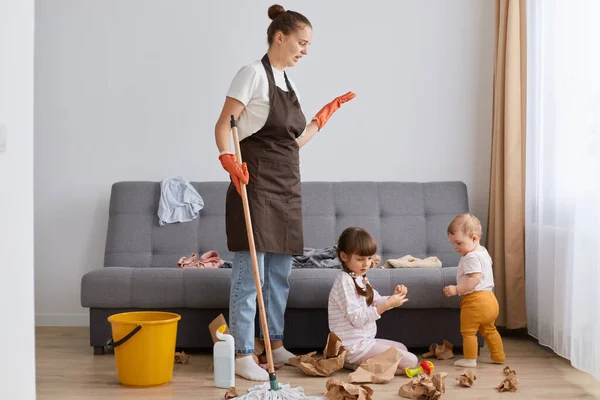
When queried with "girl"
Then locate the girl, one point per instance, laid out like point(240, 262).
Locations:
point(354, 305)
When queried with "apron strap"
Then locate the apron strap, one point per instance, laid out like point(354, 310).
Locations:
point(287, 82)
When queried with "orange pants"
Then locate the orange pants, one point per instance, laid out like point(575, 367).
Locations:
point(478, 312)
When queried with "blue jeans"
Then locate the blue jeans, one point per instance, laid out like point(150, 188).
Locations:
point(274, 270)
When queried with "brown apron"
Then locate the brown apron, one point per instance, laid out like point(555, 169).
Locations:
point(274, 191)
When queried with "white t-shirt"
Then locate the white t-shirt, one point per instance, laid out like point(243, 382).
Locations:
point(476, 261)
point(251, 87)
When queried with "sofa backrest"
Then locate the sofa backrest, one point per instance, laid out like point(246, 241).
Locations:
point(403, 217)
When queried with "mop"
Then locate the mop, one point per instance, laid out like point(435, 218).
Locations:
point(271, 390)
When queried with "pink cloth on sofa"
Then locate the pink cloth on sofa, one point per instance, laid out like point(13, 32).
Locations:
point(209, 259)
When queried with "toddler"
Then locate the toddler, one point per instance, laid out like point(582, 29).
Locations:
point(354, 305)
point(478, 305)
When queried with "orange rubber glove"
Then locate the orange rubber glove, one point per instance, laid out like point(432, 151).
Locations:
point(326, 112)
point(237, 174)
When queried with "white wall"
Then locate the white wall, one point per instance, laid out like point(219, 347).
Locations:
point(17, 377)
point(131, 90)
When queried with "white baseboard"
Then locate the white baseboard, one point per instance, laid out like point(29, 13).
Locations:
point(62, 320)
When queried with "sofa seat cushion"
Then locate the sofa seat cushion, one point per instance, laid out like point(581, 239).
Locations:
point(117, 287)
point(310, 288)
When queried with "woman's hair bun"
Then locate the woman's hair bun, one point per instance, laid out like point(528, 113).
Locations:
point(275, 10)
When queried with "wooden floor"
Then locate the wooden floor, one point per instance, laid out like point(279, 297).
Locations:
point(67, 369)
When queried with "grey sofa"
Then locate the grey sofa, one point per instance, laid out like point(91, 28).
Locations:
point(140, 265)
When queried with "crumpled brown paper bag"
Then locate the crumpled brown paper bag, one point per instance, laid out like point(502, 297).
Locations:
point(440, 351)
point(259, 347)
point(331, 361)
point(231, 393)
point(379, 369)
point(510, 382)
point(439, 381)
point(181, 357)
point(375, 261)
point(467, 378)
point(338, 390)
point(423, 387)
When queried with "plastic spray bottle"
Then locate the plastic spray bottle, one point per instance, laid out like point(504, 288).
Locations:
point(224, 359)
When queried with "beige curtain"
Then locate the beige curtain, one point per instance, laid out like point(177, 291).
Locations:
point(506, 225)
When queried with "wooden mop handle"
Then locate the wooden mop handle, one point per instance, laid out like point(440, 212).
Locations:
point(261, 304)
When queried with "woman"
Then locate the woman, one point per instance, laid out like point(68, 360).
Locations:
point(271, 128)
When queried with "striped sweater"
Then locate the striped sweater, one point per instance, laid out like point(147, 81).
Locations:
point(350, 318)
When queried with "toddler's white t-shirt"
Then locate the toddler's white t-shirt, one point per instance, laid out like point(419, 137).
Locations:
point(251, 87)
point(476, 261)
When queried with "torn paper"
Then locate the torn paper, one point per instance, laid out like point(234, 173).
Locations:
point(375, 261)
point(181, 357)
point(510, 382)
point(423, 387)
point(259, 347)
point(338, 390)
point(232, 393)
point(439, 381)
point(467, 378)
point(215, 324)
point(331, 361)
point(379, 369)
point(440, 351)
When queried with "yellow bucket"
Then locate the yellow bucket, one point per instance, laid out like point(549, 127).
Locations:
point(144, 344)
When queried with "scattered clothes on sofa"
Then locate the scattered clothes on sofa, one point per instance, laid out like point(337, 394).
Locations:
point(424, 387)
point(379, 369)
point(232, 393)
point(467, 378)
point(181, 357)
point(179, 201)
point(338, 390)
point(510, 382)
point(376, 261)
point(413, 262)
point(331, 361)
point(440, 351)
point(317, 258)
point(210, 259)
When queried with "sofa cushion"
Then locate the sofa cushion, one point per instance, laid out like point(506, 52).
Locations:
point(121, 287)
point(310, 288)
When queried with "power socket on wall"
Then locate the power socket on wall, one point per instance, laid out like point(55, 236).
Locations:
point(2, 138)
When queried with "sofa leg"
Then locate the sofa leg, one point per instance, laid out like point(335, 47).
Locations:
point(98, 350)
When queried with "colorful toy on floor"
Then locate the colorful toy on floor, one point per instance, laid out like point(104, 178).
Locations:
point(425, 366)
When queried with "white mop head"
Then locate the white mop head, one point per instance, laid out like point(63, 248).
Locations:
point(264, 392)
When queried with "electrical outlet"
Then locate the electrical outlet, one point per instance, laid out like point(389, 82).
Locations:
point(2, 138)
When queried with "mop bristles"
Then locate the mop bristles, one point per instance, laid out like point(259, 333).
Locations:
point(285, 392)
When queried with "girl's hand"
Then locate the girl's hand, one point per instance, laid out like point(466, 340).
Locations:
point(401, 289)
point(450, 290)
point(396, 300)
